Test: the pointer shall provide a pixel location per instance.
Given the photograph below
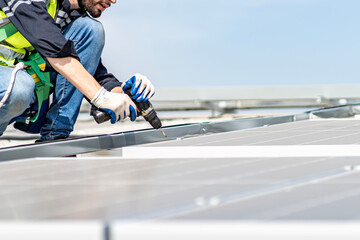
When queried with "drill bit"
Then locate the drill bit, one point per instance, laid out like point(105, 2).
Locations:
point(163, 132)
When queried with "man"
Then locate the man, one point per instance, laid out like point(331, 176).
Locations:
point(71, 44)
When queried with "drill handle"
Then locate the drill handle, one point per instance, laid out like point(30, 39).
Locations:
point(144, 109)
point(102, 116)
point(141, 106)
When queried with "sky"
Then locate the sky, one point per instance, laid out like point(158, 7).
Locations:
point(184, 43)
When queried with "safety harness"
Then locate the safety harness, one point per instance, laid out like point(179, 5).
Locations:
point(15, 48)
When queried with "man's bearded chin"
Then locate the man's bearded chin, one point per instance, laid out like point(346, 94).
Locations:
point(95, 13)
point(89, 5)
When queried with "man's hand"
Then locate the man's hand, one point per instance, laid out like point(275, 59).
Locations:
point(141, 88)
point(118, 105)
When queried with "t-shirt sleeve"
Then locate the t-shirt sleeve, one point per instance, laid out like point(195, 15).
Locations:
point(34, 22)
point(106, 79)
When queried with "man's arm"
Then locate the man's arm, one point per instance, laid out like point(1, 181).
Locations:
point(80, 78)
point(75, 73)
point(119, 106)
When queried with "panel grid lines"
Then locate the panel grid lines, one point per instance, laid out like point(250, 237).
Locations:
point(199, 187)
point(296, 133)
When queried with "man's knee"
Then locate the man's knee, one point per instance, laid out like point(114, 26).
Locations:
point(22, 94)
point(87, 28)
point(89, 40)
point(93, 26)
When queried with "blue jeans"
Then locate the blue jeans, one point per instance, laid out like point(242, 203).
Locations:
point(89, 39)
point(22, 95)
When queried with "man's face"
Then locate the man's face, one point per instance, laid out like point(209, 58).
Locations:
point(96, 7)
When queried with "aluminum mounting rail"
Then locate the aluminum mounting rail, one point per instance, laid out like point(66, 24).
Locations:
point(110, 141)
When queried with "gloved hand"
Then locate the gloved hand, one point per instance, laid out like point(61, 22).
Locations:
point(118, 105)
point(141, 88)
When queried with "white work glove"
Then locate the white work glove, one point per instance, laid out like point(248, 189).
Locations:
point(141, 88)
point(118, 105)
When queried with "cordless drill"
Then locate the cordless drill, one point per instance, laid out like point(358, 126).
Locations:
point(144, 109)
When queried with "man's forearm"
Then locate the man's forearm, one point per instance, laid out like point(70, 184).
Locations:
point(75, 73)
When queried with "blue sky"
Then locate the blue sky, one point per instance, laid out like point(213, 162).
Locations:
point(182, 43)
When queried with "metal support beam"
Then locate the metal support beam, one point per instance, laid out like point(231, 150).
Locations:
point(111, 141)
point(118, 140)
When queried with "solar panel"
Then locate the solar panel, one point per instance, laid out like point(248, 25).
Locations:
point(139, 189)
point(311, 132)
point(316, 179)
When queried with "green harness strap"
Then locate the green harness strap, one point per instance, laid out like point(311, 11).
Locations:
point(35, 64)
point(7, 30)
point(42, 80)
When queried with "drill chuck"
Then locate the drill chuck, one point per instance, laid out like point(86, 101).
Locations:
point(147, 111)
